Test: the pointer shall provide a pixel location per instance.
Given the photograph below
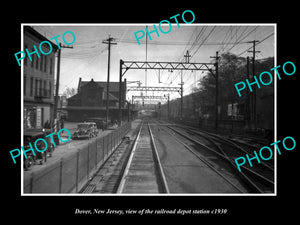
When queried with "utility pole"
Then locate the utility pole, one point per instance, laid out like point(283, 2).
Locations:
point(146, 59)
point(168, 106)
point(248, 111)
point(181, 96)
point(109, 42)
point(128, 110)
point(56, 89)
point(187, 60)
point(253, 94)
point(120, 94)
point(57, 86)
point(217, 57)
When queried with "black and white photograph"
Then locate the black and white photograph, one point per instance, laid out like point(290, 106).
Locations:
point(158, 114)
point(132, 112)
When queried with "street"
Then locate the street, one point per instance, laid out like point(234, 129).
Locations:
point(65, 149)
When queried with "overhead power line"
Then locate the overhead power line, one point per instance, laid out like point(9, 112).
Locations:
point(177, 43)
point(270, 35)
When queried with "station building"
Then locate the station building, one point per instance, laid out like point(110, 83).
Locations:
point(90, 101)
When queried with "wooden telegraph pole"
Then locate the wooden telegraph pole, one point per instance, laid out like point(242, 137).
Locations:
point(217, 57)
point(57, 86)
point(109, 42)
point(253, 98)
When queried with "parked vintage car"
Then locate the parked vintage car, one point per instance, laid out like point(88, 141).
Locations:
point(85, 130)
point(100, 122)
point(30, 136)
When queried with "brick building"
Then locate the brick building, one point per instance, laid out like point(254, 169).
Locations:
point(90, 100)
point(38, 82)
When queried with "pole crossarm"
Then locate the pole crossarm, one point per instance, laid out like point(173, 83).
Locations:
point(126, 65)
point(143, 88)
point(148, 97)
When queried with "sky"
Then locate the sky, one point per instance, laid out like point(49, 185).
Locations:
point(88, 58)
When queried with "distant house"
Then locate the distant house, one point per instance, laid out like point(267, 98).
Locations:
point(90, 100)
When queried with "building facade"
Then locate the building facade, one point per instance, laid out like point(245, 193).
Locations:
point(38, 82)
point(90, 100)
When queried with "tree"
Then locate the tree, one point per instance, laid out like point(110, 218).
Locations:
point(232, 69)
point(69, 92)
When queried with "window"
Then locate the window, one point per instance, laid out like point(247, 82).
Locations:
point(37, 63)
point(36, 87)
point(45, 89)
point(42, 61)
point(24, 88)
point(25, 60)
point(51, 64)
point(45, 64)
point(32, 57)
point(31, 86)
point(40, 88)
point(50, 87)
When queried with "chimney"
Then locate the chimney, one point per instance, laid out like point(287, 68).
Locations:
point(79, 84)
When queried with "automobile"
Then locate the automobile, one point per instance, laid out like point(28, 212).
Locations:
point(100, 122)
point(30, 136)
point(85, 130)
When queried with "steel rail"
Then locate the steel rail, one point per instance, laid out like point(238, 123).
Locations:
point(160, 169)
point(158, 173)
point(201, 158)
point(221, 150)
point(228, 142)
point(125, 173)
point(222, 139)
point(245, 177)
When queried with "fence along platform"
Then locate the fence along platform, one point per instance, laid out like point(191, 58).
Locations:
point(70, 173)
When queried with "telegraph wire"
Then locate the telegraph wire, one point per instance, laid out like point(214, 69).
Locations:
point(243, 38)
point(270, 35)
point(81, 71)
point(201, 44)
point(225, 38)
point(177, 43)
point(200, 34)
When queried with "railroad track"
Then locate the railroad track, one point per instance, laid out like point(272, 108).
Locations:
point(138, 169)
point(240, 146)
point(235, 186)
point(143, 172)
point(257, 179)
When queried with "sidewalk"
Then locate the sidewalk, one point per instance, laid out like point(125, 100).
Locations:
point(66, 148)
point(65, 173)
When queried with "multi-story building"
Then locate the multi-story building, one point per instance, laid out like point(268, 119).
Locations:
point(38, 89)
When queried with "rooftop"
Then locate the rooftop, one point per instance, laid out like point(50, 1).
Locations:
point(30, 30)
point(113, 86)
